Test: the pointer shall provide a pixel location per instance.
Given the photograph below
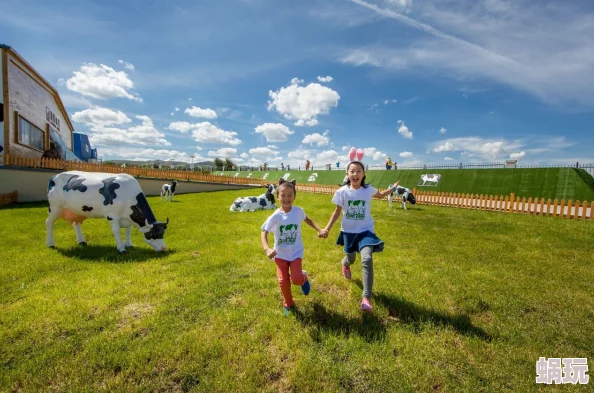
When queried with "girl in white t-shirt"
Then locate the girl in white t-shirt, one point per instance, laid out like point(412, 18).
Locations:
point(288, 248)
point(357, 233)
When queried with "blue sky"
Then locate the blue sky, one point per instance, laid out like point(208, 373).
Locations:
point(436, 82)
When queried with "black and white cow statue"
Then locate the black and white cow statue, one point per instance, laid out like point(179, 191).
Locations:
point(402, 193)
point(168, 190)
point(76, 196)
point(265, 201)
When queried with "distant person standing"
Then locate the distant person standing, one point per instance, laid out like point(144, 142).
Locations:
point(388, 163)
point(282, 166)
point(337, 164)
point(307, 165)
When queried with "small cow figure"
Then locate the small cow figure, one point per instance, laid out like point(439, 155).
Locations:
point(405, 194)
point(168, 190)
point(76, 196)
point(431, 178)
point(265, 201)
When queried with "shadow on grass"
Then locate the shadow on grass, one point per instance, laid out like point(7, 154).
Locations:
point(111, 254)
point(367, 326)
point(25, 205)
point(415, 315)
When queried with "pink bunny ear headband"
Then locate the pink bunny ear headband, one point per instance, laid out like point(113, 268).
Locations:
point(358, 154)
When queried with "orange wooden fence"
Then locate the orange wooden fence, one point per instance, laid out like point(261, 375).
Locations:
point(7, 199)
point(509, 204)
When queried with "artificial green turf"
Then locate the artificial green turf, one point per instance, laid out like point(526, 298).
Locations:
point(554, 183)
point(464, 301)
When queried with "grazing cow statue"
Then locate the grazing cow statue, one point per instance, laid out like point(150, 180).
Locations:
point(168, 190)
point(263, 202)
point(405, 194)
point(432, 178)
point(76, 196)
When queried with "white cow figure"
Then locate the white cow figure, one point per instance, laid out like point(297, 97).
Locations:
point(433, 178)
point(404, 194)
point(76, 196)
point(265, 201)
point(168, 190)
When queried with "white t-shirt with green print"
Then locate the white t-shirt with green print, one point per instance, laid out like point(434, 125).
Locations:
point(286, 228)
point(356, 208)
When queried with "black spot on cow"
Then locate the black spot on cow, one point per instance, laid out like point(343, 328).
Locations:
point(142, 211)
point(75, 184)
point(86, 208)
point(51, 183)
point(108, 190)
point(49, 209)
point(237, 204)
point(253, 199)
point(109, 219)
point(263, 202)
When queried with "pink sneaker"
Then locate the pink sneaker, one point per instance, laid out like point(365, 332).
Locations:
point(366, 305)
point(346, 272)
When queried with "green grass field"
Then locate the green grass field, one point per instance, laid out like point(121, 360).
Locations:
point(559, 183)
point(464, 301)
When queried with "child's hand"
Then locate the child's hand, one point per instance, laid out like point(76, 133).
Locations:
point(395, 184)
point(271, 253)
point(323, 233)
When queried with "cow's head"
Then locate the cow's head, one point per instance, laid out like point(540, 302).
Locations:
point(153, 234)
point(411, 198)
point(270, 188)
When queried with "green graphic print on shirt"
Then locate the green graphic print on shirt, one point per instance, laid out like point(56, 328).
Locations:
point(356, 210)
point(288, 234)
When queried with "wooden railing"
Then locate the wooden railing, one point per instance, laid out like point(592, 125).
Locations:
point(50, 163)
point(10, 198)
point(509, 204)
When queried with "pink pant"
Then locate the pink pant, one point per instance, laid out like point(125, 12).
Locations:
point(287, 272)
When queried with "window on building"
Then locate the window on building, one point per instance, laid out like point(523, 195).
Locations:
point(30, 135)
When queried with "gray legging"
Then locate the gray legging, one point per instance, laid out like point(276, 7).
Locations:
point(367, 264)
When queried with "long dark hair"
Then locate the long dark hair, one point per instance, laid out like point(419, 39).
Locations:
point(348, 180)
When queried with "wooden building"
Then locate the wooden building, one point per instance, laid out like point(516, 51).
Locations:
point(33, 116)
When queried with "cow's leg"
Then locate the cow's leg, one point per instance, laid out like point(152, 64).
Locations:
point(161, 198)
point(128, 236)
point(390, 197)
point(80, 238)
point(49, 225)
point(115, 229)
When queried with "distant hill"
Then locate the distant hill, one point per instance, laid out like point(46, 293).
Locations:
point(150, 162)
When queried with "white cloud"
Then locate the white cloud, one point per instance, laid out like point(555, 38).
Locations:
point(517, 156)
point(299, 154)
point(244, 155)
point(325, 79)
point(199, 112)
point(443, 130)
point(403, 130)
point(274, 132)
point(448, 159)
point(224, 152)
point(172, 113)
point(326, 157)
point(406, 154)
point(206, 132)
point(144, 154)
point(303, 103)
point(296, 81)
point(177, 109)
point(263, 152)
point(555, 64)
point(128, 66)
point(102, 82)
point(100, 117)
point(319, 139)
point(477, 147)
point(144, 134)
point(373, 154)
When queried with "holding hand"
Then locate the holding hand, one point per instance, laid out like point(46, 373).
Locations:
point(323, 233)
point(271, 253)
